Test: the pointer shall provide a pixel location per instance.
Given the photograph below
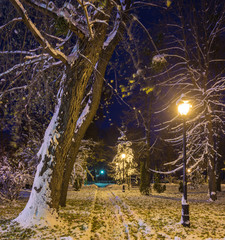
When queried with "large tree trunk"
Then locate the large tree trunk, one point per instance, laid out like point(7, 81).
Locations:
point(211, 162)
point(79, 134)
point(98, 77)
point(218, 163)
point(218, 168)
point(146, 175)
point(91, 38)
point(46, 191)
point(218, 181)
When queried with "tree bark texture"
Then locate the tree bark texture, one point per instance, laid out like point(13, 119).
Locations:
point(211, 162)
point(77, 80)
point(96, 97)
point(46, 191)
point(54, 165)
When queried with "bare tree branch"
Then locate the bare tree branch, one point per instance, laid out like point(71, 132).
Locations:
point(10, 22)
point(46, 45)
point(52, 11)
point(87, 18)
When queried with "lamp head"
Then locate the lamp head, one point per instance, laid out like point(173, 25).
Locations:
point(184, 108)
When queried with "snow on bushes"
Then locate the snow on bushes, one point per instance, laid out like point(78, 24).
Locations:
point(13, 177)
point(159, 62)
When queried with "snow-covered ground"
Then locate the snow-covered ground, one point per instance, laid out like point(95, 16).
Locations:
point(108, 213)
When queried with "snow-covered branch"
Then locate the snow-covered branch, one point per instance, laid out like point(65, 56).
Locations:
point(169, 172)
point(113, 33)
point(87, 18)
point(39, 37)
point(17, 66)
point(16, 52)
point(10, 22)
point(68, 12)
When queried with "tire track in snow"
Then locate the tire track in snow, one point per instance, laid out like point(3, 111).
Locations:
point(120, 216)
point(103, 222)
point(112, 219)
point(134, 226)
point(88, 233)
point(145, 231)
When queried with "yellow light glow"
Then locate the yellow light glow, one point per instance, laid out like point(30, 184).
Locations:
point(123, 155)
point(184, 108)
point(188, 170)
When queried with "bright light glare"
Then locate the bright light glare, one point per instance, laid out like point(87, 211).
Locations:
point(184, 108)
point(102, 172)
point(123, 155)
point(188, 170)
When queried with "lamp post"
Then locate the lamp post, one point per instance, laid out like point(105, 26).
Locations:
point(123, 157)
point(183, 109)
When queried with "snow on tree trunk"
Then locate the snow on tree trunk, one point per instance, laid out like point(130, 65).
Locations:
point(38, 210)
point(67, 173)
point(210, 162)
point(212, 180)
point(90, 35)
point(88, 117)
point(46, 191)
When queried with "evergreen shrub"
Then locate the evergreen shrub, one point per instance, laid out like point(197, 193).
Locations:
point(157, 186)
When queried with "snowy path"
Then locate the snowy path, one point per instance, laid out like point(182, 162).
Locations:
point(109, 214)
point(112, 218)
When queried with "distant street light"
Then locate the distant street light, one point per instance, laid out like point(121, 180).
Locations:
point(102, 171)
point(123, 157)
point(183, 109)
point(189, 170)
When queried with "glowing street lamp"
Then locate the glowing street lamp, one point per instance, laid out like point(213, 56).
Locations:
point(183, 109)
point(123, 157)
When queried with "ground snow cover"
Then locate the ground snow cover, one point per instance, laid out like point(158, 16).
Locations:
point(108, 213)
